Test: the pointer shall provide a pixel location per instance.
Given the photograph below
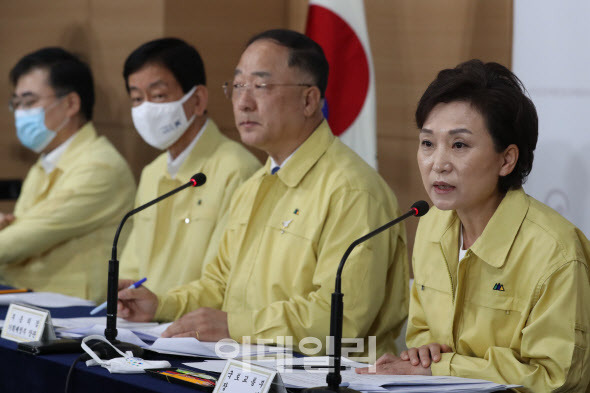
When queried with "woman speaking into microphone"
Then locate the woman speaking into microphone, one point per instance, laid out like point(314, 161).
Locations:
point(501, 289)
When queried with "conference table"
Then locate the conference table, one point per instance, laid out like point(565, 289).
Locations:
point(23, 372)
point(27, 373)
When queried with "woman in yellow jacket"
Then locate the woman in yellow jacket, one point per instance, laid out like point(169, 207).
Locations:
point(501, 289)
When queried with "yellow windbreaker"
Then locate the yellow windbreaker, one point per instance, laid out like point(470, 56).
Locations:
point(66, 220)
point(275, 269)
point(516, 308)
point(170, 241)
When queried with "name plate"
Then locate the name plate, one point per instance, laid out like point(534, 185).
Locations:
point(27, 323)
point(248, 378)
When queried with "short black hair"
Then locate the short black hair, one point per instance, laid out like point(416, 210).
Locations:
point(182, 59)
point(304, 53)
point(67, 73)
point(500, 97)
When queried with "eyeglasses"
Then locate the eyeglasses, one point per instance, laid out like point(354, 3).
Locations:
point(27, 101)
point(258, 89)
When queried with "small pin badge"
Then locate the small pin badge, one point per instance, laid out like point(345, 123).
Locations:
point(296, 212)
point(499, 287)
point(285, 225)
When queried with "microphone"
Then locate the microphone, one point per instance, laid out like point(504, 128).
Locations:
point(113, 278)
point(334, 378)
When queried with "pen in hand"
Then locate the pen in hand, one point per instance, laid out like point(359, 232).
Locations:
point(103, 306)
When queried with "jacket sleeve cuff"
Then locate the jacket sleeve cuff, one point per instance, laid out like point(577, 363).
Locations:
point(443, 367)
point(167, 309)
point(240, 324)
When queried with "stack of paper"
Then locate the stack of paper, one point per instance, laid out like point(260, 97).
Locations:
point(366, 383)
point(192, 347)
point(44, 299)
point(138, 333)
point(411, 383)
point(143, 333)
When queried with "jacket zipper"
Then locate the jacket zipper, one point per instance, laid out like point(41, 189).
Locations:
point(449, 273)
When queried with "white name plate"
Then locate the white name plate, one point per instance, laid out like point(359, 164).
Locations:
point(27, 323)
point(239, 377)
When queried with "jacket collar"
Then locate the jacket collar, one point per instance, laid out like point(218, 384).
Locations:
point(305, 157)
point(83, 137)
point(208, 143)
point(498, 236)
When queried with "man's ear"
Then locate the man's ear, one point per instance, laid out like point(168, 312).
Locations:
point(510, 158)
point(73, 104)
point(312, 100)
point(201, 96)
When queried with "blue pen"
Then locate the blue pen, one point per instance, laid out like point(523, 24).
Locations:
point(103, 306)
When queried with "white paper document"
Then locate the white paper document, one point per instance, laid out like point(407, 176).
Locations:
point(44, 299)
point(72, 323)
point(366, 383)
point(143, 333)
point(138, 333)
point(192, 347)
point(124, 335)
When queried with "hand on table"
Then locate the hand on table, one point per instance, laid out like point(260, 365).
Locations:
point(206, 324)
point(425, 354)
point(393, 365)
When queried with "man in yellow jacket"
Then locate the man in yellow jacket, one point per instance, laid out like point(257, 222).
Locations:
point(171, 241)
point(60, 235)
point(289, 224)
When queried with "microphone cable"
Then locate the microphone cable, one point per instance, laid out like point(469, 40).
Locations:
point(70, 371)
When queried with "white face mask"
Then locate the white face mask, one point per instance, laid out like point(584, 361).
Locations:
point(161, 124)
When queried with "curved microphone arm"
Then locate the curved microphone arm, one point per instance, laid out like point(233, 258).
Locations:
point(363, 239)
point(191, 183)
point(334, 378)
point(113, 276)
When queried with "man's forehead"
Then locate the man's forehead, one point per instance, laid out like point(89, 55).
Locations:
point(33, 81)
point(264, 58)
point(151, 82)
point(154, 72)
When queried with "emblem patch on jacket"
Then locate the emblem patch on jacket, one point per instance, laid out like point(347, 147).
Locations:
point(285, 225)
point(498, 287)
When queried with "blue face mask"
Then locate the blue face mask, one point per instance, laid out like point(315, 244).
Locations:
point(31, 129)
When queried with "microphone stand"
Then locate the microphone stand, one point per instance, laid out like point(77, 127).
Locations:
point(334, 378)
point(113, 278)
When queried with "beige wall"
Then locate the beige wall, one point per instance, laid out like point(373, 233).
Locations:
point(410, 39)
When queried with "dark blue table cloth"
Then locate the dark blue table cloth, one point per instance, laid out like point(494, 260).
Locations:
point(23, 372)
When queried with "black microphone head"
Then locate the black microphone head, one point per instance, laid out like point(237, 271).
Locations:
point(420, 208)
point(198, 180)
